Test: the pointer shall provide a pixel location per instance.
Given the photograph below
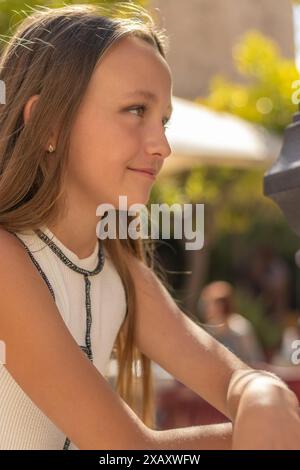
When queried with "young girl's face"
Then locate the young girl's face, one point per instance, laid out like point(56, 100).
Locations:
point(117, 129)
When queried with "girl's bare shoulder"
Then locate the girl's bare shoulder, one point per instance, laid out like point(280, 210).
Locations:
point(47, 363)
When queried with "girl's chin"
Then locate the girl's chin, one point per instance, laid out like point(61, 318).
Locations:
point(125, 200)
point(132, 201)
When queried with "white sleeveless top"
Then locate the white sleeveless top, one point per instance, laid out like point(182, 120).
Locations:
point(22, 424)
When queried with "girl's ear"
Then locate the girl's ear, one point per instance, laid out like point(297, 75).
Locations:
point(29, 107)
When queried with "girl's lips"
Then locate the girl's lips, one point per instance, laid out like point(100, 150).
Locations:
point(143, 172)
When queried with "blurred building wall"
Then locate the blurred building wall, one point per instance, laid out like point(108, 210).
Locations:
point(203, 32)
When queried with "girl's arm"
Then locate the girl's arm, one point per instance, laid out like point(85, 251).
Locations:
point(266, 413)
point(47, 363)
point(166, 335)
point(201, 437)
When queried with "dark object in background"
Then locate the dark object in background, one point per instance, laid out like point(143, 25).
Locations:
point(282, 181)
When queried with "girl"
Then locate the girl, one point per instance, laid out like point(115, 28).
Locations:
point(88, 95)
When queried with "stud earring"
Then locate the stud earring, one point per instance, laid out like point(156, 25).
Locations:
point(50, 148)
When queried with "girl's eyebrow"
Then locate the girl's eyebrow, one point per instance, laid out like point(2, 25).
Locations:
point(149, 95)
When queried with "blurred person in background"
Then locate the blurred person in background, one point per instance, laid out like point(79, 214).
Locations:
point(216, 305)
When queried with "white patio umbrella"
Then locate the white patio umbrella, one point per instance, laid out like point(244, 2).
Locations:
point(198, 135)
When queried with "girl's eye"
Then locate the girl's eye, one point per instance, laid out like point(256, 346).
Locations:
point(135, 108)
point(144, 108)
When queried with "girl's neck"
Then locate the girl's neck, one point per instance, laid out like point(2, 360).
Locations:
point(81, 243)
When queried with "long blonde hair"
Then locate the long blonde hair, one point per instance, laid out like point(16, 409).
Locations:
point(53, 53)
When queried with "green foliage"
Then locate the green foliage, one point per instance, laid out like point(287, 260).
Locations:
point(233, 194)
point(266, 96)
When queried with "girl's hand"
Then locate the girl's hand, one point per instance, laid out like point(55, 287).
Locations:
point(267, 424)
point(267, 429)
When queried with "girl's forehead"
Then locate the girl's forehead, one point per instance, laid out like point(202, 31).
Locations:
point(125, 77)
point(130, 55)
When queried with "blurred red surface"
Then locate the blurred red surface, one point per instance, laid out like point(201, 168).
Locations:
point(177, 406)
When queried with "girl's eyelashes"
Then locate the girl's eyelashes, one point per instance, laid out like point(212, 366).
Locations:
point(138, 106)
point(144, 108)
